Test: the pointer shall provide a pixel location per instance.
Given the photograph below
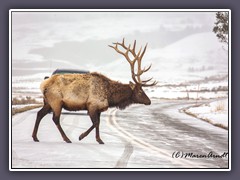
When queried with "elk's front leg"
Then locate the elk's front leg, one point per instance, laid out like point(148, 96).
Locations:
point(98, 139)
point(95, 117)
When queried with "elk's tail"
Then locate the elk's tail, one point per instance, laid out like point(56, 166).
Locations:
point(44, 85)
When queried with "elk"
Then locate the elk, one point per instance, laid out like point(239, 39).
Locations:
point(93, 92)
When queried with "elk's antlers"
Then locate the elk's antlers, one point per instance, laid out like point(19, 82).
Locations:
point(136, 58)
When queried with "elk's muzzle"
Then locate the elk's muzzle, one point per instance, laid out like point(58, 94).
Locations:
point(148, 102)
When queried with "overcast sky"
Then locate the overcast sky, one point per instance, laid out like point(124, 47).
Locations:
point(80, 39)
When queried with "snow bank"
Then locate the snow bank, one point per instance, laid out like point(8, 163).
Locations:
point(215, 113)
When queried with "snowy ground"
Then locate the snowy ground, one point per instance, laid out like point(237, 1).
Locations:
point(23, 86)
point(145, 140)
point(215, 113)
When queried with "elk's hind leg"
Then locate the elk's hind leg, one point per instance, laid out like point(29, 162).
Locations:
point(56, 120)
point(45, 109)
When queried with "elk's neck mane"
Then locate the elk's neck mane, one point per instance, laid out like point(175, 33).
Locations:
point(120, 95)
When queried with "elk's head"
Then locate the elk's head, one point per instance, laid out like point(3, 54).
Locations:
point(139, 95)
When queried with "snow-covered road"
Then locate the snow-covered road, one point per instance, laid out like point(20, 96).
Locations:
point(154, 136)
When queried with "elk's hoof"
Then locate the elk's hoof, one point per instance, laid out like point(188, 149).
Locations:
point(81, 137)
point(100, 141)
point(68, 141)
point(35, 139)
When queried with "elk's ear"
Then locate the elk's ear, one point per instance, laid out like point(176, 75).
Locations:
point(132, 85)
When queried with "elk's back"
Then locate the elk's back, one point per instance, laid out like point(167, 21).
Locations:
point(76, 91)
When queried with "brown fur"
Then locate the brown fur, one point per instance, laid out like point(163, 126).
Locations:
point(93, 92)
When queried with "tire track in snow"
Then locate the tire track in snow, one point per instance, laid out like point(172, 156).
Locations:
point(123, 161)
point(71, 124)
point(19, 118)
point(128, 149)
point(144, 145)
point(70, 129)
